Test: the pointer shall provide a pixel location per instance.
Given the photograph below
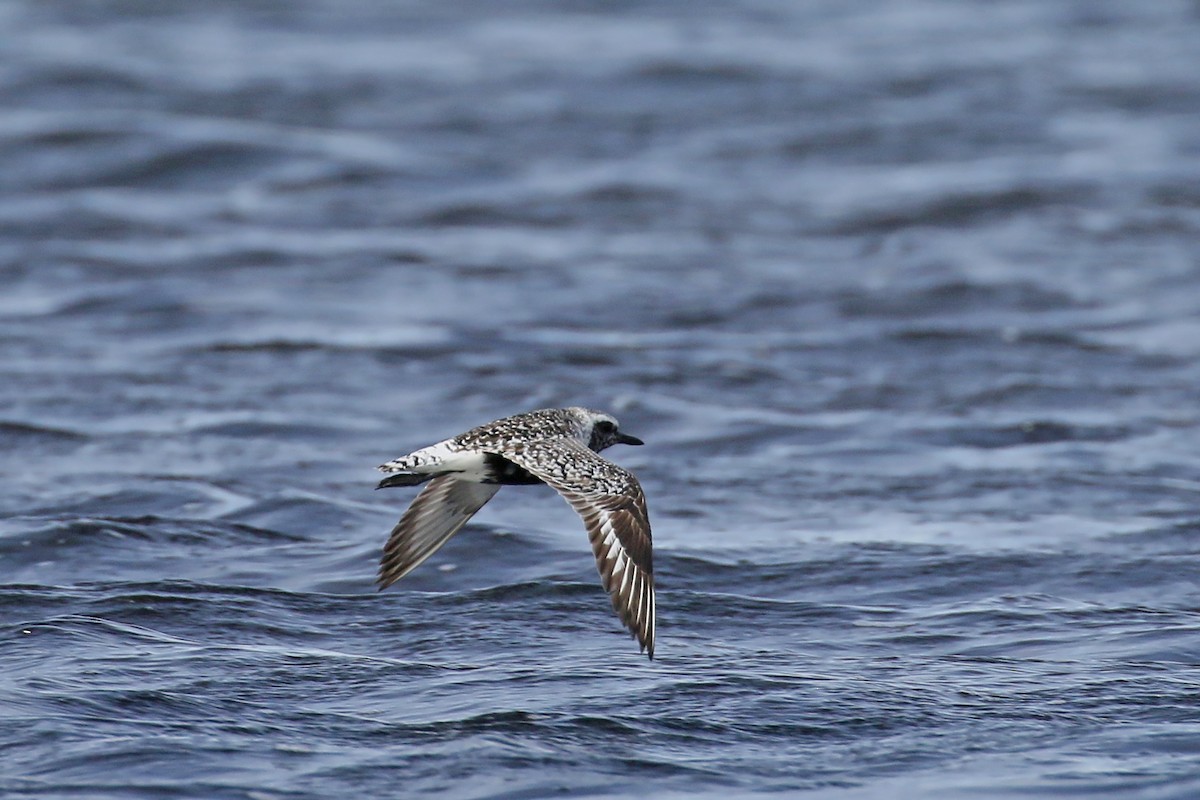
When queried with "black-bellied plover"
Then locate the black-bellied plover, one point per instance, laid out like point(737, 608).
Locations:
point(557, 446)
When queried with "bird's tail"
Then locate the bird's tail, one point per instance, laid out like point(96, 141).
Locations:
point(403, 479)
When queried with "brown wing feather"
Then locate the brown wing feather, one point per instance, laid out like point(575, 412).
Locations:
point(613, 507)
point(438, 512)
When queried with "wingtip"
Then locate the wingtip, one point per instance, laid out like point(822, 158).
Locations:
point(646, 647)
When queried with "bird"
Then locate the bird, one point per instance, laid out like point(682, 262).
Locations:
point(555, 446)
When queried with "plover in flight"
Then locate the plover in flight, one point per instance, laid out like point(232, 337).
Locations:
point(557, 446)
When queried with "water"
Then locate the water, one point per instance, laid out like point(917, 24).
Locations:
point(903, 297)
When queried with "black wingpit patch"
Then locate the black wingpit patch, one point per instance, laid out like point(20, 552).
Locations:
point(505, 472)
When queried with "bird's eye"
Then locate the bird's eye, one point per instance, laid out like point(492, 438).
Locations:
point(604, 426)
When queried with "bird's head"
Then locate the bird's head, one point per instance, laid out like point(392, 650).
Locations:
point(602, 430)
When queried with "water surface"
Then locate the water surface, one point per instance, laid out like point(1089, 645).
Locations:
point(903, 297)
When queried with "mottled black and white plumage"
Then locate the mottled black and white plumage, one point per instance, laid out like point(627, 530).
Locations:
point(557, 446)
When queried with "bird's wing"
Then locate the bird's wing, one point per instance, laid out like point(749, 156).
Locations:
point(439, 511)
point(613, 508)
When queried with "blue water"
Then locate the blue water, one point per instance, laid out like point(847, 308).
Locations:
point(904, 298)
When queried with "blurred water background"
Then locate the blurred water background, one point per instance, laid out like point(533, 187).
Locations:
point(903, 295)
